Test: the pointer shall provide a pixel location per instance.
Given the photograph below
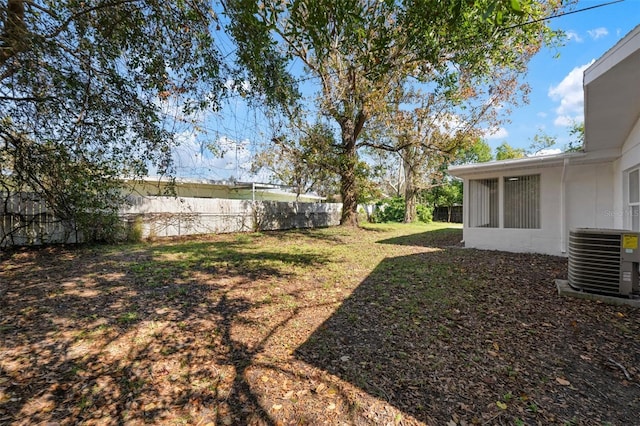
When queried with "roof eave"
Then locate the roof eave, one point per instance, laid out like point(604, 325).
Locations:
point(534, 162)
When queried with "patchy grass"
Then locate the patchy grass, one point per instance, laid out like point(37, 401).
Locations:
point(388, 324)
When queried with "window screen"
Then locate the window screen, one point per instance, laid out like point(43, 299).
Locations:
point(522, 202)
point(483, 203)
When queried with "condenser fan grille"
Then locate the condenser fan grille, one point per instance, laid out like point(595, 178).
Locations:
point(594, 262)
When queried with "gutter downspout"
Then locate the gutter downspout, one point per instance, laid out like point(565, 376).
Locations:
point(563, 209)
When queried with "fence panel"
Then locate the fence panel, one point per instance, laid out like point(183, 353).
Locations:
point(448, 214)
point(24, 219)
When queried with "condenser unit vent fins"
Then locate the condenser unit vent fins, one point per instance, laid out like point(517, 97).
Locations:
point(594, 262)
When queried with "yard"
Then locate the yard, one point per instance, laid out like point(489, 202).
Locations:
point(382, 325)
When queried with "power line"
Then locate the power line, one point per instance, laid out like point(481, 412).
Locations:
point(535, 21)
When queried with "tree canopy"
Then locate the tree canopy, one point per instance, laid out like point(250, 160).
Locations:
point(92, 92)
point(504, 151)
point(478, 152)
point(364, 52)
point(308, 163)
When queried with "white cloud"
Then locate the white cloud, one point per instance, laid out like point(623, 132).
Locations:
point(567, 120)
point(598, 33)
point(547, 151)
point(572, 35)
point(542, 114)
point(235, 86)
point(193, 159)
point(496, 133)
point(569, 93)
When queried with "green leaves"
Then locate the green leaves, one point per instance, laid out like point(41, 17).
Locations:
point(506, 152)
point(84, 92)
point(515, 6)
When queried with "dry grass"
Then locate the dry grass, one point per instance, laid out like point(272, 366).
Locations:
point(384, 325)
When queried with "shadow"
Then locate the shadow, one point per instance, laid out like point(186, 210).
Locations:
point(140, 334)
point(448, 237)
point(444, 335)
point(229, 331)
point(332, 235)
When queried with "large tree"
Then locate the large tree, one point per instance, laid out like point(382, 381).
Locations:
point(85, 89)
point(445, 123)
point(361, 51)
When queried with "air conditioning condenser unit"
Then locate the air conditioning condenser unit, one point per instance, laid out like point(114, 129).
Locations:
point(604, 261)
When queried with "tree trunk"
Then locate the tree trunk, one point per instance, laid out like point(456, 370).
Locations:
point(410, 192)
point(348, 187)
point(349, 199)
point(410, 204)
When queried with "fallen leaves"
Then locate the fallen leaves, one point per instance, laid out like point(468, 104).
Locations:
point(416, 335)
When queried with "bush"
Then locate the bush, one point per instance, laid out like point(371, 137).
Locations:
point(134, 230)
point(424, 213)
point(389, 210)
point(392, 210)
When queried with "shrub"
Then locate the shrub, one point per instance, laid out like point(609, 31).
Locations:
point(134, 230)
point(389, 210)
point(392, 210)
point(424, 213)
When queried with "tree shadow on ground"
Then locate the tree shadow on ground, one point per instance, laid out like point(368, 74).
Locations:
point(453, 335)
point(122, 338)
point(199, 332)
point(449, 237)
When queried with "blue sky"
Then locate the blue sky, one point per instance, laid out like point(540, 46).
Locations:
point(555, 77)
point(556, 83)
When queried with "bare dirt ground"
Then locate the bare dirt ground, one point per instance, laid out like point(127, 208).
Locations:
point(378, 326)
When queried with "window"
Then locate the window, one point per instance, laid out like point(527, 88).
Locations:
point(522, 202)
point(634, 199)
point(483, 202)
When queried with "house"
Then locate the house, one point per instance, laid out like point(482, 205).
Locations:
point(206, 188)
point(531, 204)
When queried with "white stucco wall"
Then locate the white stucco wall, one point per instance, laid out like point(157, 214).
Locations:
point(630, 159)
point(543, 240)
point(589, 196)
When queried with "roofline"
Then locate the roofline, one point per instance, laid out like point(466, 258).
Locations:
point(204, 181)
point(535, 162)
point(258, 186)
point(611, 57)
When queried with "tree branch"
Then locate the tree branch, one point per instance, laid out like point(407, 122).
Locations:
point(13, 38)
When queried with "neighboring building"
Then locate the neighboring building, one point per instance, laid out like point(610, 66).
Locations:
point(205, 188)
point(530, 204)
point(188, 207)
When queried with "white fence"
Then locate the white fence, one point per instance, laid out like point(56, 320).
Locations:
point(25, 221)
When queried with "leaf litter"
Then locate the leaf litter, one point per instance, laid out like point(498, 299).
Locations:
point(386, 325)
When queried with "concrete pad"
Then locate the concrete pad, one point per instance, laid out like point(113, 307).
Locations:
point(564, 289)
